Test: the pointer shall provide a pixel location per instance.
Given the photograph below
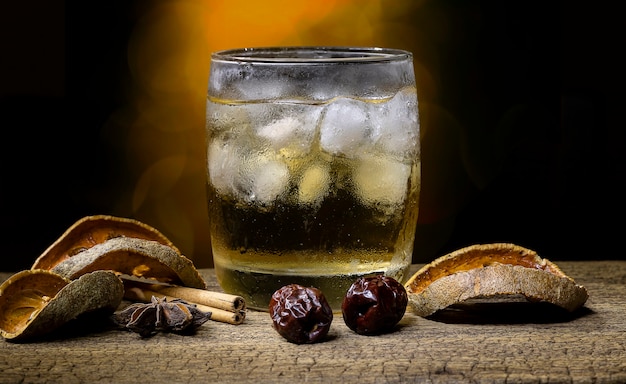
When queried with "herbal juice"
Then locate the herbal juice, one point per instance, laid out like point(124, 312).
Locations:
point(311, 192)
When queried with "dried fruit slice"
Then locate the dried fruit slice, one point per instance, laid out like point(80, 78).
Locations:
point(92, 230)
point(37, 302)
point(135, 257)
point(490, 270)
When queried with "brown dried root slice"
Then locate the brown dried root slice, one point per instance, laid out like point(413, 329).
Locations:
point(92, 230)
point(37, 302)
point(491, 270)
point(134, 257)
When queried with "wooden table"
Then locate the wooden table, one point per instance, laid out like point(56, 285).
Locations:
point(513, 345)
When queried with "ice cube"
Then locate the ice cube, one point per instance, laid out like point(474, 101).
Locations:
point(279, 132)
point(223, 165)
point(289, 128)
point(381, 180)
point(265, 179)
point(313, 185)
point(223, 117)
point(346, 126)
point(396, 127)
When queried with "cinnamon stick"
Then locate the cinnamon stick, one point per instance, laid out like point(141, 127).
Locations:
point(213, 299)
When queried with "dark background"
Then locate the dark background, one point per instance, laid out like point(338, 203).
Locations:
point(560, 189)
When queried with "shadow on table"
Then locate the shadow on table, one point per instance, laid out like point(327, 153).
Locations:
point(516, 312)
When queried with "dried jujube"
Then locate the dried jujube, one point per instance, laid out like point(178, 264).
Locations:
point(374, 305)
point(300, 314)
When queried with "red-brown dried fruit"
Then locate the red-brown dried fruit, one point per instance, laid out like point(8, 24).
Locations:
point(374, 305)
point(300, 314)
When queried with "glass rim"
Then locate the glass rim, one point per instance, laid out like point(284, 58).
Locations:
point(310, 55)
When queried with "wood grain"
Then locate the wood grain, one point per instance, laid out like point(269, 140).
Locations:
point(507, 343)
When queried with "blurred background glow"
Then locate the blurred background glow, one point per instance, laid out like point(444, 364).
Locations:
point(102, 107)
point(168, 58)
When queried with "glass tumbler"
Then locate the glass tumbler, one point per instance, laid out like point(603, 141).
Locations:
point(313, 168)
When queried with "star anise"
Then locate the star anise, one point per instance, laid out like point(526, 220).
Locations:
point(161, 315)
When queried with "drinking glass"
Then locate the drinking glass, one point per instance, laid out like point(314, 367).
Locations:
point(313, 167)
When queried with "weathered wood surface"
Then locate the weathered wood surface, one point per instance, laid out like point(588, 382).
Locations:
point(511, 345)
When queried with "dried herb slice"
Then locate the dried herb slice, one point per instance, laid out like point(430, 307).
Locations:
point(37, 302)
point(491, 270)
point(92, 230)
point(134, 257)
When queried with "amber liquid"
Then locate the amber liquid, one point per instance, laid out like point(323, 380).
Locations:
point(326, 241)
point(256, 252)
